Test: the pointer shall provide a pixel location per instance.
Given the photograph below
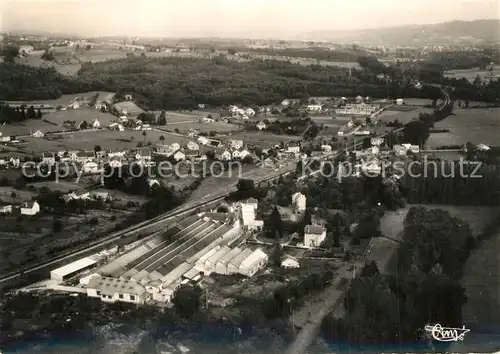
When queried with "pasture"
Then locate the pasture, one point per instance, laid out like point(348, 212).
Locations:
point(263, 139)
point(477, 126)
point(391, 224)
point(402, 116)
point(79, 115)
point(131, 107)
point(471, 74)
point(66, 100)
point(28, 127)
point(218, 127)
point(108, 140)
point(382, 249)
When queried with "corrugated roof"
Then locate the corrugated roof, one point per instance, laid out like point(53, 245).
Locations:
point(314, 230)
point(236, 261)
point(218, 255)
point(176, 274)
point(73, 267)
point(111, 286)
point(229, 256)
point(255, 257)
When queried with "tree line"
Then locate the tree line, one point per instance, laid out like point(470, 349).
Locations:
point(423, 287)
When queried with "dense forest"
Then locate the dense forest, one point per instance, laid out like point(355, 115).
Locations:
point(424, 288)
point(170, 83)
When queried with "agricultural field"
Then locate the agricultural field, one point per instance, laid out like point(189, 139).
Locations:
point(108, 140)
point(262, 139)
point(218, 127)
point(34, 237)
point(131, 107)
point(478, 125)
point(402, 116)
point(391, 224)
point(28, 127)
point(66, 100)
point(80, 115)
point(471, 74)
point(10, 195)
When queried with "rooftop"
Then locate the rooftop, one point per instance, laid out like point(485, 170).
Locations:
point(314, 230)
point(111, 286)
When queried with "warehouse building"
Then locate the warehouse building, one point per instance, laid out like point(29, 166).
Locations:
point(221, 267)
point(113, 290)
point(253, 263)
point(72, 269)
point(212, 261)
point(234, 264)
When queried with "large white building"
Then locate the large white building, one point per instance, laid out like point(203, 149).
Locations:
point(69, 270)
point(115, 289)
point(314, 235)
point(248, 213)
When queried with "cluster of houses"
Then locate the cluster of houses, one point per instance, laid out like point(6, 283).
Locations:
point(28, 208)
point(370, 161)
point(241, 113)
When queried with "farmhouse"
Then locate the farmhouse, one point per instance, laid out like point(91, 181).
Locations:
point(326, 148)
point(30, 208)
point(6, 209)
point(314, 235)
point(222, 154)
point(192, 146)
point(26, 49)
point(38, 134)
point(293, 147)
point(240, 153)
point(250, 112)
point(314, 108)
point(261, 125)
point(91, 167)
point(144, 154)
point(203, 140)
point(178, 156)
point(116, 126)
point(96, 124)
point(288, 262)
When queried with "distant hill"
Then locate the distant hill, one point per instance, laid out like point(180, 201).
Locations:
point(447, 33)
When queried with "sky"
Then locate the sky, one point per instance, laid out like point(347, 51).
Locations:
point(231, 18)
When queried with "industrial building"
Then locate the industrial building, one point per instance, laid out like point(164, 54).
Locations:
point(153, 269)
point(70, 270)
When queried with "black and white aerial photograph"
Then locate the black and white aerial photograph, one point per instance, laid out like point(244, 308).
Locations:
point(249, 176)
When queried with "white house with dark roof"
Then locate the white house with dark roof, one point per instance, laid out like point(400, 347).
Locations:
point(314, 236)
point(293, 147)
point(192, 146)
point(30, 208)
point(222, 154)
